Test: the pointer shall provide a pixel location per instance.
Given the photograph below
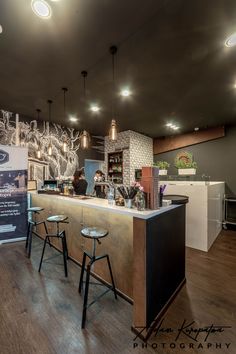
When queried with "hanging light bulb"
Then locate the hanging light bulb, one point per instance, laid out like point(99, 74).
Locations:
point(65, 146)
point(84, 140)
point(113, 132)
point(49, 119)
point(50, 149)
point(39, 154)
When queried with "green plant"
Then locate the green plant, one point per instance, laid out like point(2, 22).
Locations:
point(162, 165)
point(185, 160)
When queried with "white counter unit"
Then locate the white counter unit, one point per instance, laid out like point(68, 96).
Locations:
point(204, 212)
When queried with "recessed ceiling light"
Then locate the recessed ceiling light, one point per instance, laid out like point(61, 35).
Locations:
point(125, 93)
point(169, 124)
point(73, 119)
point(95, 108)
point(196, 129)
point(231, 40)
point(41, 8)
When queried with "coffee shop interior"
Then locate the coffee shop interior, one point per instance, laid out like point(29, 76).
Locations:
point(117, 176)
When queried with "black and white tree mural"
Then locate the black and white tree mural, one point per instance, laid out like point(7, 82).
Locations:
point(35, 137)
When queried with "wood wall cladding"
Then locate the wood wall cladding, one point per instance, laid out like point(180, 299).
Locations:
point(161, 145)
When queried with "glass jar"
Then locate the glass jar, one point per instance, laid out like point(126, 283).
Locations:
point(140, 201)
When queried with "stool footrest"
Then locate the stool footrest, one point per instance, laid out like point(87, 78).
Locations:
point(97, 298)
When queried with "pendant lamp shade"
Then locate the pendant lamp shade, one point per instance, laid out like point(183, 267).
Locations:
point(84, 140)
point(39, 154)
point(50, 149)
point(113, 132)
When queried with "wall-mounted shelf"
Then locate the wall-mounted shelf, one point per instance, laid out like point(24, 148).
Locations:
point(115, 167)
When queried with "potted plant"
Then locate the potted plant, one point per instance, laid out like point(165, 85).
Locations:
point(163, 167)
point(185, 164)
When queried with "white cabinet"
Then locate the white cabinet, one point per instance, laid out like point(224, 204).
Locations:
point(204, 212)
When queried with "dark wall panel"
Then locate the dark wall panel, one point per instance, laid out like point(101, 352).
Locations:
point(216, 158)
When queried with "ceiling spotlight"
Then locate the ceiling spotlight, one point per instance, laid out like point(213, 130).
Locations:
point(231, 40)
point(125, 93)
point(169, 125)
point(73, 119)
point(175, 127)
point(196, 129)
point(41, 8)
point(95, 108)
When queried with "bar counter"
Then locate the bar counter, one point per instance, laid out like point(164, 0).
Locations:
point(146, 248)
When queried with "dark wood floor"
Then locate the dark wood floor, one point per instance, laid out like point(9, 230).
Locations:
point(42, 313)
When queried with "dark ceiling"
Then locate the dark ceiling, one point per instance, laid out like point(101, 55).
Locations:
point(171, 54)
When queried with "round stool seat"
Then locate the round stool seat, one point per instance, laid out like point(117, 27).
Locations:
point(94, 232)
point(57, 218)
point(35, 209)
point(177, 199)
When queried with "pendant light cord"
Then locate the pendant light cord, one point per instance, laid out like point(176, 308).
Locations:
point(113, 51)
point(84, 73)
point(49, 116)
point(65, 89)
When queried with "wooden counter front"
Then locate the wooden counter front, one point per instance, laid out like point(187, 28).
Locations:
point(146, 249)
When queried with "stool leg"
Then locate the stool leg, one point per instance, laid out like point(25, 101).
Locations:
point(86, 296)
point(46, 232)
point(44, 245)
point(82, 273)
point(67, 255)
point(64, 254)
point(112, 280)
point(30, 240)
point(27, 237)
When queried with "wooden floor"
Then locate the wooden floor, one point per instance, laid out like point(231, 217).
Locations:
point(41, 313)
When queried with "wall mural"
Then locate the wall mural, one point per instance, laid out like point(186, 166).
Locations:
point(38, 135)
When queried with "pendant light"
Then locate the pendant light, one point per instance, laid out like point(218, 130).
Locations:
point(113, 132)
point(39, 152)
point(84, 140)
point(84, 137)
point(49, 120)
point(65, 143)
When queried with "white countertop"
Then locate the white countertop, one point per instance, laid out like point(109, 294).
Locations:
point(191, 183)
point(99, 203)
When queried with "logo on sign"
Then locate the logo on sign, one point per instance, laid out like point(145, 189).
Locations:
point(4, 157)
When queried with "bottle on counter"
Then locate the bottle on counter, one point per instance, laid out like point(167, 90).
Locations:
point(111, 196)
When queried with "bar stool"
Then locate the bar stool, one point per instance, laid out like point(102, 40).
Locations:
point(58, 219)
point(95, 234)
point(32, 223)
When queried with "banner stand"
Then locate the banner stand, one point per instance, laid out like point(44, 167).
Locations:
point(13, 193)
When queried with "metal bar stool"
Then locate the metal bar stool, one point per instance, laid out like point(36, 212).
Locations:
point(59, 234)
point(32, 223)
point(95, 234)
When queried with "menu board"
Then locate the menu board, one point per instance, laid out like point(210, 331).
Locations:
point(13, 193)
